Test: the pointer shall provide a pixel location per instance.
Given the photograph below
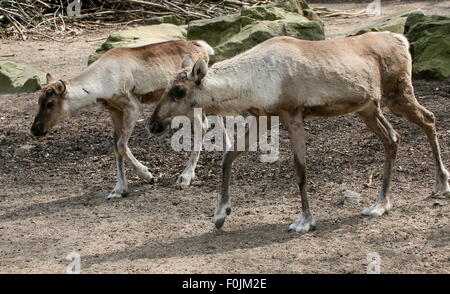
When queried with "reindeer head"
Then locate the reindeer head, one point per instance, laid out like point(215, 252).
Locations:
point(178, 98)
point(51, 106)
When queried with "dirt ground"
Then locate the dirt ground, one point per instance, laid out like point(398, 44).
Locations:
point(52, 200)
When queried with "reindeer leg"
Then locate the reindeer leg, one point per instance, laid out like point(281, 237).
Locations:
point(404, 103)
point(377, 123)
point(225, 133)
point(131, 114)
point(296, 129)
point(123, 123)
point(223, 206)
point(121, 187)
point(188, 174)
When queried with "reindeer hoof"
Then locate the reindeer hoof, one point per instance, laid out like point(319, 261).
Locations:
point(441, 187)
point(376, 210)
point(115, 195)
point(184, 181)
point(146, 176)
point(303, 225)
point(440, 194)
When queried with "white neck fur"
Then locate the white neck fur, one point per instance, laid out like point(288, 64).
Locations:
point(78, 98)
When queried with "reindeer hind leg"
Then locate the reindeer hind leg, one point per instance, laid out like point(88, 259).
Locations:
point(379, 125)
point(405, 104)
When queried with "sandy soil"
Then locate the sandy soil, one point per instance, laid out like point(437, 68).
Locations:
point(52, 200)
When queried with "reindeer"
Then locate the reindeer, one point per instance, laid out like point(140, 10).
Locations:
point(121, 80)
point(297, 80)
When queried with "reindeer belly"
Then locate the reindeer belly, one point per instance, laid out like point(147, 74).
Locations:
point(335, 108)
point(322, 98)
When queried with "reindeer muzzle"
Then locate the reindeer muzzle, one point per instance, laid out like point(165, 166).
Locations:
point(157, 127)
point(37, 131)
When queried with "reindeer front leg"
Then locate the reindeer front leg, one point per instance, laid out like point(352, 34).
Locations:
point(223, 206)
point(123, 123)
point(188, 174)
point(130, 115)
point(121, 187)
point(296, 129)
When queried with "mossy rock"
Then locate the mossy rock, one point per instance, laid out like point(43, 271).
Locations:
point(172, 19)
point(140, 36)
point(430, 45)
point(19, 78)
point(263, 13)
point(216, 30)
point(264, 30)
point(233, 34)
point(394, 23)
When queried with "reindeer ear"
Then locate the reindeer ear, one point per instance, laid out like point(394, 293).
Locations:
point(50, 78)
point(198, 71)
point(60, 87)
point(187, 62)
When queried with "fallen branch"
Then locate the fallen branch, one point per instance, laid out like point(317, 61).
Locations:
point(39, 17)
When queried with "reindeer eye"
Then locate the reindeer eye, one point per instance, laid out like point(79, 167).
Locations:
point(49, 104)
point(177, 92)
point(49, 92)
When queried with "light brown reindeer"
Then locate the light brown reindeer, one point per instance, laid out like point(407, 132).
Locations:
point(298, 80)
point(121, 80)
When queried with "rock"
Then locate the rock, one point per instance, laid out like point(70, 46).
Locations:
point(252, 35)
point(232, 34)
point(173, 19)
point(430, 45)
point(351, 198)
point(22, 149)
point(19, 78)
point(216, 30)
point(140, 36)
point(429, 37)
point(393, 23)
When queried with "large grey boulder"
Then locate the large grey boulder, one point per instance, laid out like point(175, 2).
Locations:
point(233, 34)
point(140, 36)
point(19, 78)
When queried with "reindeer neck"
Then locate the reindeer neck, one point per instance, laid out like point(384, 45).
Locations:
point(221, 92)
point(86, 88)
point(78, 97)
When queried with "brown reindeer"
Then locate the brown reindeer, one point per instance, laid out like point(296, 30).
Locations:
point(297, 80)
point(122, 79)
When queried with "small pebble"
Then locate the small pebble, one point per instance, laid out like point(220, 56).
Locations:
point(351, 198)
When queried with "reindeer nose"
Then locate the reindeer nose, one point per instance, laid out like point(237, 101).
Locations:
point(37, 131)
point(156, 127)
